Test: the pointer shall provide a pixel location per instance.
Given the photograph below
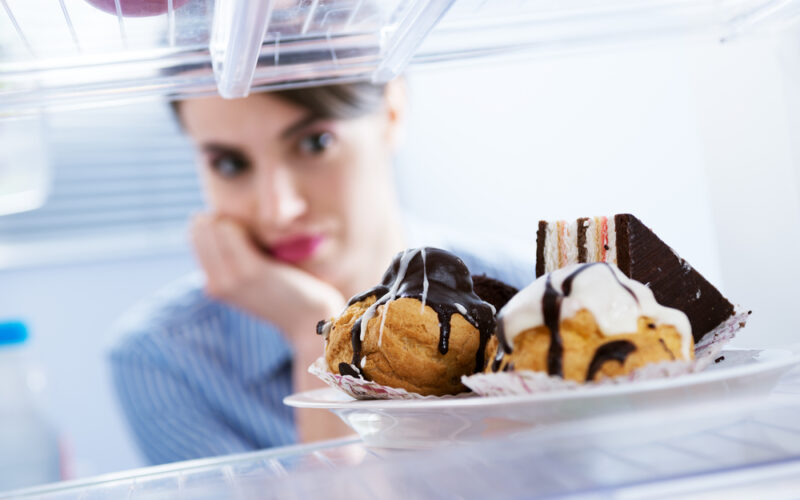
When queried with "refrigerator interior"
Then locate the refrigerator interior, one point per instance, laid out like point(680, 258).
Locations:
point(683, 113)
point(736, 451)
point(70, 53)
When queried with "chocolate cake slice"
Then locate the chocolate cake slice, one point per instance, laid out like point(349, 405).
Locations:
point(492, 290)
point(641, 255)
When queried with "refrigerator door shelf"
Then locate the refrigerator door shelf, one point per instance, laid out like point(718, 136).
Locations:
point(71, 53)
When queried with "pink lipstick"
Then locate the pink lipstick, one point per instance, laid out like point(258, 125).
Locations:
point(296, 249)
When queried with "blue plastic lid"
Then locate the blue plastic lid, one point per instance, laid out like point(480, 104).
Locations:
point(12, 332)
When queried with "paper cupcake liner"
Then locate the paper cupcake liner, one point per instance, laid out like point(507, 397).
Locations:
point(530, 382)
point(365, 389)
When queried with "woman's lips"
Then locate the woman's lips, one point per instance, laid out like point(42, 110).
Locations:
point(296, 249)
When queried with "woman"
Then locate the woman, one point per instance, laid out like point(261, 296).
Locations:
point(302, 216)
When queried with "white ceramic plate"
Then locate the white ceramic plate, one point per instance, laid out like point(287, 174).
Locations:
point(743, 375)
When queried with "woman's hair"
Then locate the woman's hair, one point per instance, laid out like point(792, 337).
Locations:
point(337, 102)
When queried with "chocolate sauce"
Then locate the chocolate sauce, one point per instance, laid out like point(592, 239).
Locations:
point(346, 369)
point(664, 344)
point(541, 237)
point(551, 307)
point(439, 280)
point(617, 350)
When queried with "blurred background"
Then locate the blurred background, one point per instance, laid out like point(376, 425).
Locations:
point(699, 139)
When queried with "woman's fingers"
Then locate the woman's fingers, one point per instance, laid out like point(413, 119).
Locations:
point(239, 273)
point(240, 256)
point(214, 258)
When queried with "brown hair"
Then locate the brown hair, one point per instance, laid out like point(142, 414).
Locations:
point(337, 102)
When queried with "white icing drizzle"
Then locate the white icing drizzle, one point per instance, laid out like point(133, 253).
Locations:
point(597, 290)
point(392, 294)
point(463, 311)
point(384, 312)
point(363, 362)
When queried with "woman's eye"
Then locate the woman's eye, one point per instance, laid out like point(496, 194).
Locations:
point(229, 166)
point(316, 144)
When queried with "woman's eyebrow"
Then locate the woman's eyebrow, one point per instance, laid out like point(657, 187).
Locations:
point(299, 125)
point(220, 149)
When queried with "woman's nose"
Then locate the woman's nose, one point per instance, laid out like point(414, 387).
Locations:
point(278, 198)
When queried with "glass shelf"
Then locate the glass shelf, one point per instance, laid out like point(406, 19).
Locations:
point(69, 53)
point(710, 451)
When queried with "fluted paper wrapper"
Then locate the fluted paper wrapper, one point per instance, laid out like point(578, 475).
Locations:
point(530, 382)
point(365, 389)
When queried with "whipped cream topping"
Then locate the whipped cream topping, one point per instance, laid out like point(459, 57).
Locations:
point(615, 301)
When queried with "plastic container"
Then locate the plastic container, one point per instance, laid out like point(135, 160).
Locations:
point(25, 176)
point(71, 54)
point(29, 448)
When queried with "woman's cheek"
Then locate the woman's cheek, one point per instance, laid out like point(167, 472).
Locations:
point(229, 200)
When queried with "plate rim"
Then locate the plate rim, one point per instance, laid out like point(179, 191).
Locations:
point(787, 358)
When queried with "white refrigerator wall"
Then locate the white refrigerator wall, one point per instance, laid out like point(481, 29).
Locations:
point(693, 138)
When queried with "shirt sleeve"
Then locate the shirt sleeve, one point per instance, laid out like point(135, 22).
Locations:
point(170, 420)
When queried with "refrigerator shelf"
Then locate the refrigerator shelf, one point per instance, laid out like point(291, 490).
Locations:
point(685, 452)
point(69, 53)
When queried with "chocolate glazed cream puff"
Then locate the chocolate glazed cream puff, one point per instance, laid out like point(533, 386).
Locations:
point(586, 322)
point(420, 329)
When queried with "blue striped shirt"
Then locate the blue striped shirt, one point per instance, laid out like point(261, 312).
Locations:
point(197, 377)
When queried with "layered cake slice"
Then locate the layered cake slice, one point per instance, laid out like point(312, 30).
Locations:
point(641, 255)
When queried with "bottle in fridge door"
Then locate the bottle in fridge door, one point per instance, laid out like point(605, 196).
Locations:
point(29, 443)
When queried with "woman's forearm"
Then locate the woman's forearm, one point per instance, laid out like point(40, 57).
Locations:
point(313, 424)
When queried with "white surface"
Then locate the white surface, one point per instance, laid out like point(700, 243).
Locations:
point(496, 148)
point(742, 375)
point(750, 152)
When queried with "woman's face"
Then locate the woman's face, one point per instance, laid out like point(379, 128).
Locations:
point(311, 192)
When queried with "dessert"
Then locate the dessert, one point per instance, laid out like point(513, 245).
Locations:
point(493, 291)
point(625, 241)
point(420, 329)
point(586, 322)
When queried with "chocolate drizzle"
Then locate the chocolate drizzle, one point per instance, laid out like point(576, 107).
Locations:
point(551, 305)
point(541, 237)
point(551, 311)
point(617, 350)
point(664, 345)
point(439, 280)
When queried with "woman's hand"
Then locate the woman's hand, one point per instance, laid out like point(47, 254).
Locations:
point(238, 273)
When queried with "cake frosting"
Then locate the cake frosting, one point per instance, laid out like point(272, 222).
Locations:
point(616, 302)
